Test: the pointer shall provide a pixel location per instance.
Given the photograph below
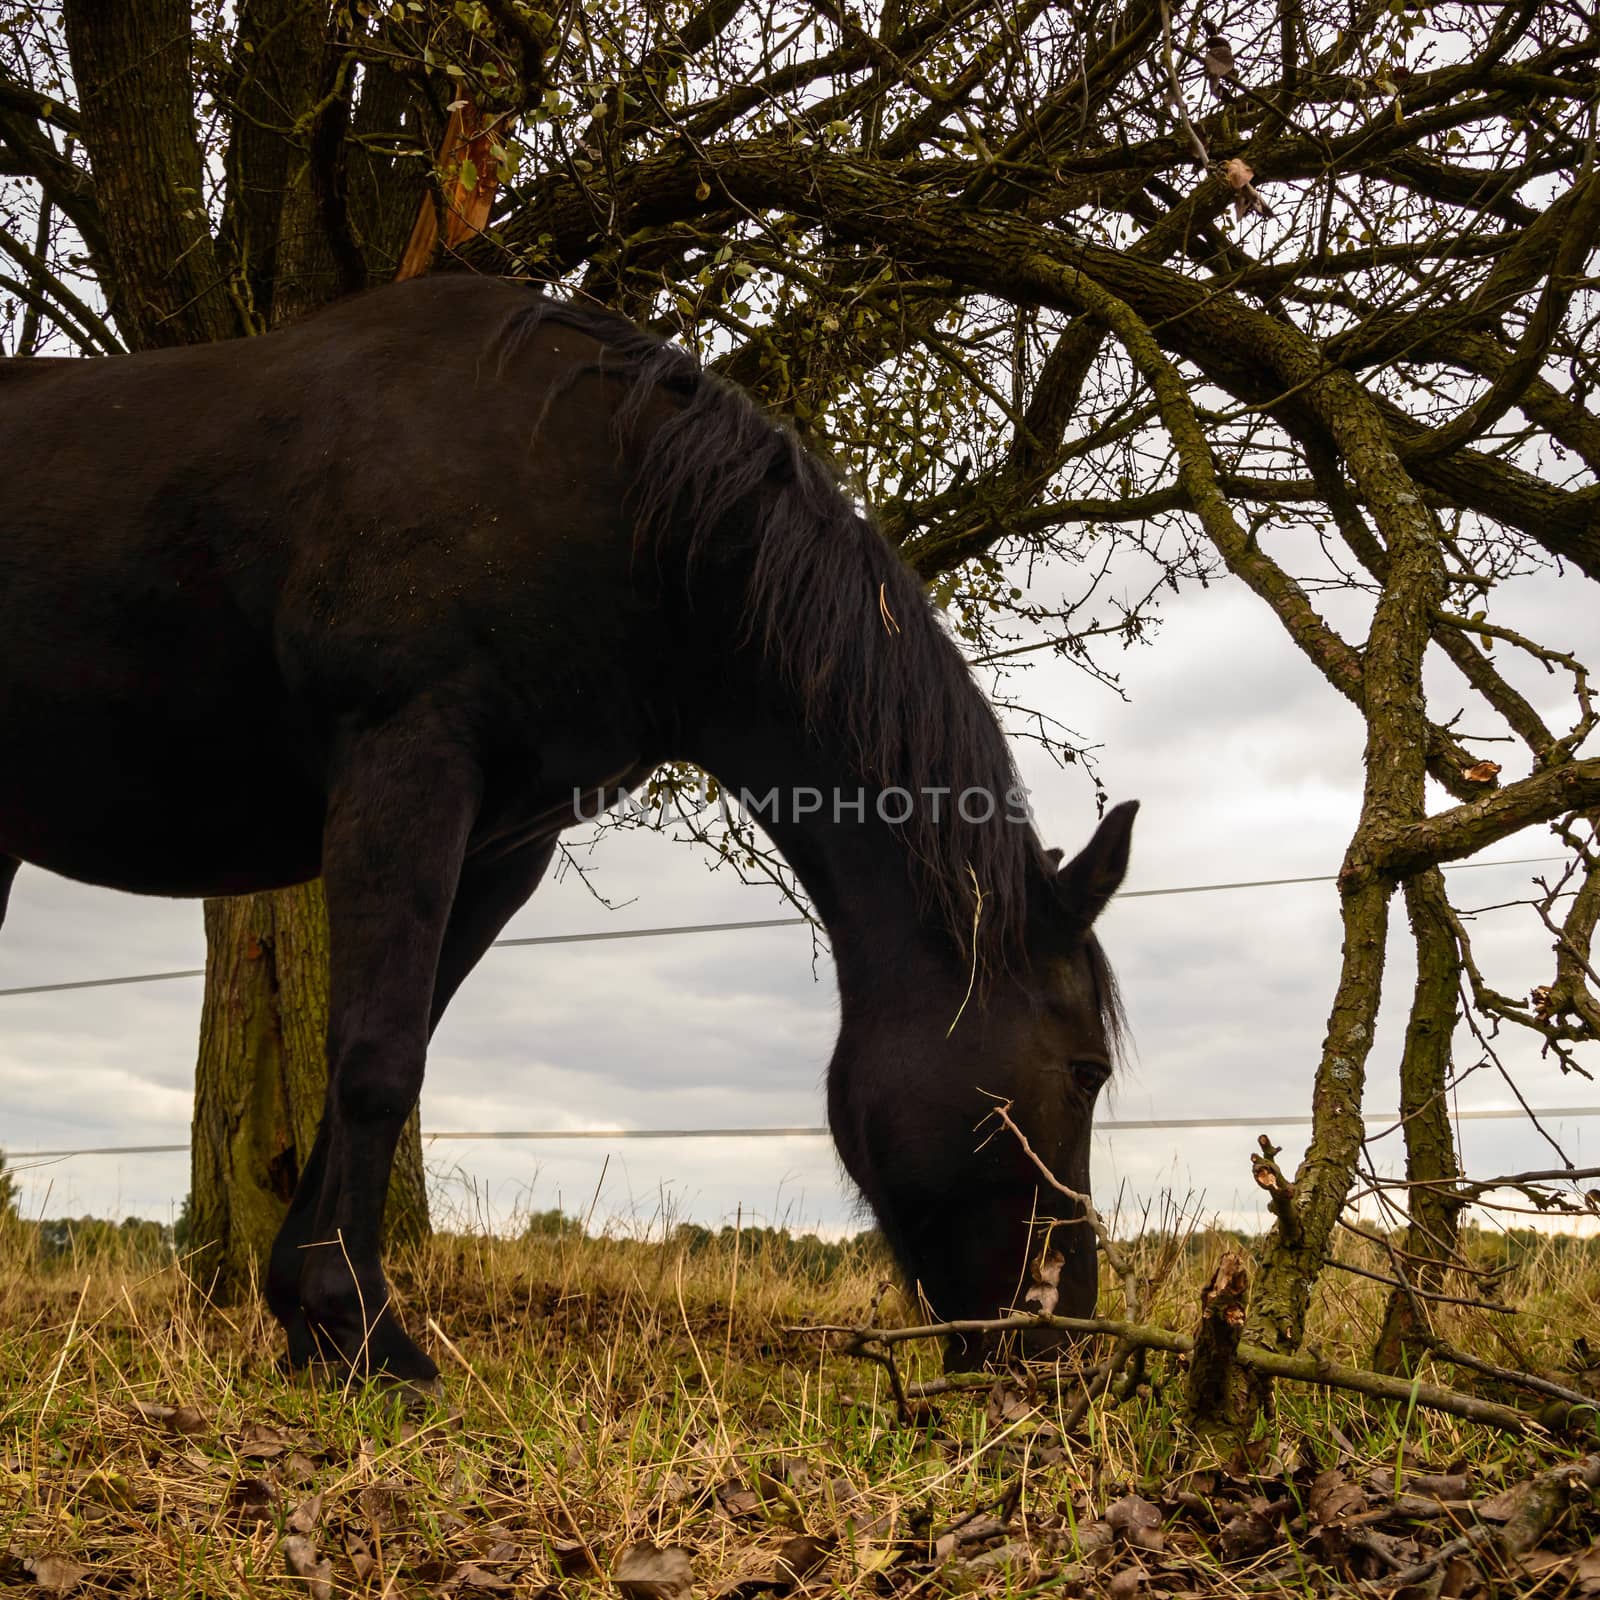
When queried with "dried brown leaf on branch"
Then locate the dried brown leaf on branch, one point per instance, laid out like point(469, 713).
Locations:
point(1045, 1289)
point(1247, 199)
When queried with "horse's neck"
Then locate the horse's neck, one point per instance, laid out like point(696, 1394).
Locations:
point(855, 868)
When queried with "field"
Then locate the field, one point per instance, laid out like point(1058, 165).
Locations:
point(639, 1416)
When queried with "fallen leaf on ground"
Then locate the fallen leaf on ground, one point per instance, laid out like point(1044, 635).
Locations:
point(1333, 1497)
point(841, 1491)
point(1500, 1507)
point(58, 1574)
point(646, 1572)
point(1125, 1584)
point(361, 1557)
point(738, 1501)
point(1246, 1535)
point(1015, 1558)
point(1096, 1541)
point(780, 1500)
point(574, 1559)
point(384, 1505)
point(1136, 1521)
point(180, 1419)
point(300, 1557)
point(1007, 1405)
point(252, 1500)
point(801, 1556)
point(792, 1471)
point(260, 1441)
point(469, 1575)
point(305, 1516)
point(1586, 1571)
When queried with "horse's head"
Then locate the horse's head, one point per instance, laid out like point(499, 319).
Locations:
point(962, 1206)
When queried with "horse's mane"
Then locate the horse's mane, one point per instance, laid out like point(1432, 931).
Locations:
point(832, 607)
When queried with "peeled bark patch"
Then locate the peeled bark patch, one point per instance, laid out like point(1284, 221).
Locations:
point(1214, 1377)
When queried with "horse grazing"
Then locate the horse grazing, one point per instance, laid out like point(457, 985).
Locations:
point(252, 630)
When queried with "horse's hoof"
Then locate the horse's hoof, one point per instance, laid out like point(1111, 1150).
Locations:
point(381, 1351)
point(417, 1399)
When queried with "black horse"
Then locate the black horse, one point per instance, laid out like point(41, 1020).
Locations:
point(392, 595)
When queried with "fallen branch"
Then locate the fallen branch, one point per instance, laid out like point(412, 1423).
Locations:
point(1539, 1505)
point(1303, 1367)
point(909, 1409)
point(1101, 1379)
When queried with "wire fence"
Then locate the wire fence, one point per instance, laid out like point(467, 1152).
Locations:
point(1257, 1121)
point(1263, 1120)
point(605, 934)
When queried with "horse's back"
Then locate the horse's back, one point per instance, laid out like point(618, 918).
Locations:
point(214, 560)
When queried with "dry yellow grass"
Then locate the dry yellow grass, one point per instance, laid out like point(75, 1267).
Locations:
point(604, 1394)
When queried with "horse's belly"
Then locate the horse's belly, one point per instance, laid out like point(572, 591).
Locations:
point(139, 814)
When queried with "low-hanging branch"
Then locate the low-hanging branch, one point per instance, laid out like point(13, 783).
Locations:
point(1306, 1367)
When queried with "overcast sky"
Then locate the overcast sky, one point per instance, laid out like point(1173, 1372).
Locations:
point(1248, 767)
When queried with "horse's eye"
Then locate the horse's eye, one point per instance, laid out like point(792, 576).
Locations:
point(1091, 1075)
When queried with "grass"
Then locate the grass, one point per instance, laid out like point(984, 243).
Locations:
point(607, 1393)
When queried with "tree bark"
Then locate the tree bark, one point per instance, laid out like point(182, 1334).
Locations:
point(1432, 1169)
point(1393, 799)
point(280, 59)
point(136, 97)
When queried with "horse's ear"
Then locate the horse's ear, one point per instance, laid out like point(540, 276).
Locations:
point(1089, 880)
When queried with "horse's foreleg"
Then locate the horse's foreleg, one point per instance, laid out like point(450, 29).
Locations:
point(491, 890)
point(399, 817)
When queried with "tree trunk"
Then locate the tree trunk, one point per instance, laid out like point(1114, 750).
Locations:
point(1393, 798)
point(262, 1081)
point(1432, 1169)
point(135, 85)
